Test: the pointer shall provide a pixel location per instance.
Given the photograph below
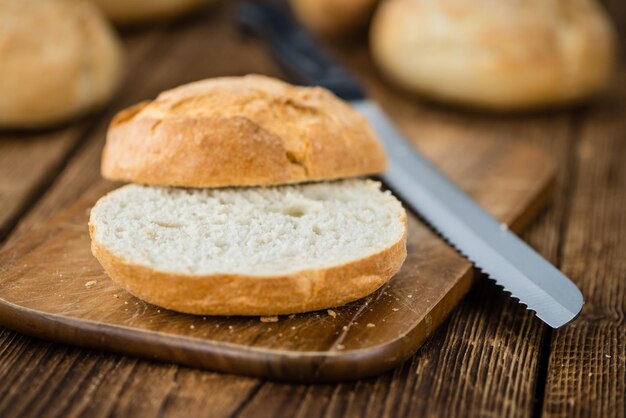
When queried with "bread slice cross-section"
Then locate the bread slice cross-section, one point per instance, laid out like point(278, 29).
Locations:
point(250, 251)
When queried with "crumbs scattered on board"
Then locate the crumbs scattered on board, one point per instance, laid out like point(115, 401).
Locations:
point(331, 313)
point(370, 325)
point(90, 283)
point(268, 319)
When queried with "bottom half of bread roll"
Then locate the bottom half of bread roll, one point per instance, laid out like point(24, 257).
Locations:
point(250, 251)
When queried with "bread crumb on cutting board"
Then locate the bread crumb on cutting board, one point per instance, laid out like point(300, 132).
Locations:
point(268, 319)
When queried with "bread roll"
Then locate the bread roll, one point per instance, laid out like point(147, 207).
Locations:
point(240, 131)
point(501, 55)
point(253, 251)
point(58, 59)
point(332, 18)
point(135, 11)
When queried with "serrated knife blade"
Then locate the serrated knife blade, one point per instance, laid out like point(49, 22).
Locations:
point(471, 230)
point(461, 221)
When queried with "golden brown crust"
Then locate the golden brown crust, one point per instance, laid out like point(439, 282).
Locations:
point(254, 295)
point(58, 59)
point(501, 55)
point(240, 131)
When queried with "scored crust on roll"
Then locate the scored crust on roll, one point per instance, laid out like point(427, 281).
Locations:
point(240, 131)
point(500, 55)
point(250, 251)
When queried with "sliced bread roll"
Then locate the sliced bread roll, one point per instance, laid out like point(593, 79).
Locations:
point(240, 131)
point(250, 251)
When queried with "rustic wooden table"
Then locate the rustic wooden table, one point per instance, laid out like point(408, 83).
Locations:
point(491, 358)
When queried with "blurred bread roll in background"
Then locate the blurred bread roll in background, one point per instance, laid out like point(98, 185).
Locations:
point(334, 18)
point(136, 11)
point(501, 55)
point(58, 59)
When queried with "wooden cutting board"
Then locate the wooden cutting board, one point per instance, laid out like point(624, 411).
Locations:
point(53, 288)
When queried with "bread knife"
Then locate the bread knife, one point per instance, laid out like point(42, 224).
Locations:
point(487, 243)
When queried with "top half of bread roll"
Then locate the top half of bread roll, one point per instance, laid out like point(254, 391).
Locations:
point(240, 131)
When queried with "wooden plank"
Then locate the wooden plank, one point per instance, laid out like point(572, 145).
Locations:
point(587, 365)
point(59, 381)
point(587, 369)
point(28, 164)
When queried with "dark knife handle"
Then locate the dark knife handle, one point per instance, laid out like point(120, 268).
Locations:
point(303, 58)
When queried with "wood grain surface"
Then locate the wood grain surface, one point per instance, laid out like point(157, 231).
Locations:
point(492, 358)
